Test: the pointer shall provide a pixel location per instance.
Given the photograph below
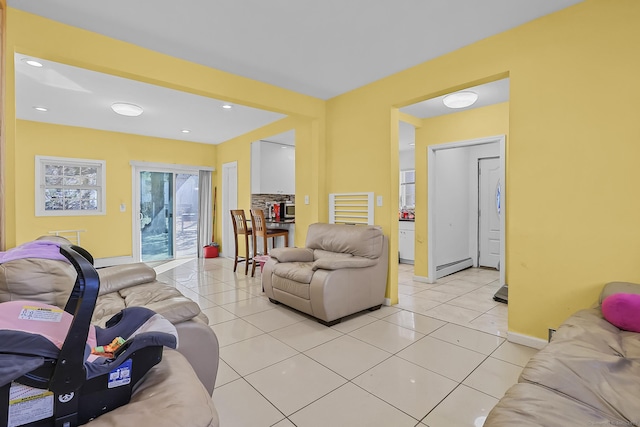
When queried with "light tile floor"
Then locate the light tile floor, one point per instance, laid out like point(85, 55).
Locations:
point(439, 358)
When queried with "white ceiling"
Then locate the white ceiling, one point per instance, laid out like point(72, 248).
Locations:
point(79, 97)
point(488, 94)
point(319, 48)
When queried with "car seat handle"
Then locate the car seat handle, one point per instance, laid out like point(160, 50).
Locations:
point(69, 373)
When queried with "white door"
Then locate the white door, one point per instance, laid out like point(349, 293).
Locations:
point(229, 202)
point(489, 211)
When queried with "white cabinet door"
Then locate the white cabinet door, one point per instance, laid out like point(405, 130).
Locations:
point(406, 241)
point(273, 168)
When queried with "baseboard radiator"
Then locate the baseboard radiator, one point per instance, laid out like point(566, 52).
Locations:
point(453, 267)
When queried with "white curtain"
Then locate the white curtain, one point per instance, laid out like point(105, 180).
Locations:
point(205, 225)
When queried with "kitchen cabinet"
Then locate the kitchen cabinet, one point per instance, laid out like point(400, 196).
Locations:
point(406, 241)
point(273, 168)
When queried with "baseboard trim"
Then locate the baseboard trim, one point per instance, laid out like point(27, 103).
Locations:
point(421, 279)
point(387, 301)
point(107, 262)
point(526, 340)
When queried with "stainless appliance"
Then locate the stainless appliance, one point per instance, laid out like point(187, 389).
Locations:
point(287, 210)
point(270, 214)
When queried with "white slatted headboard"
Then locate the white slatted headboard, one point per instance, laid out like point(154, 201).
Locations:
point(351, 208)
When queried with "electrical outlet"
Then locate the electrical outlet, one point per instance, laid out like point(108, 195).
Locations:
point(379, 200)
point(306, 199)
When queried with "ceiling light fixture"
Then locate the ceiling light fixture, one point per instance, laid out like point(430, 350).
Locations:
point(41, 109)
point(227, 106)
point(460, 99)
point(125, 109)
point(185, 131)
point(32, 62)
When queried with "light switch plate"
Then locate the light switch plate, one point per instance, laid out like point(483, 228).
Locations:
point(379, 200)
point(306, 199)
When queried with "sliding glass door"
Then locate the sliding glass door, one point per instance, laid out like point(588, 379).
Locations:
point(187, 215)
point(168, 215)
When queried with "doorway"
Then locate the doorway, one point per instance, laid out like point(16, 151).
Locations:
point(229, 202)
point(166, 212)
point(453, 210)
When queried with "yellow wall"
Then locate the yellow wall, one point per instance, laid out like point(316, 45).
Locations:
point(471, 124)
point(32, 35)
point(573, 149)
point(107, 235)
point(308, 183)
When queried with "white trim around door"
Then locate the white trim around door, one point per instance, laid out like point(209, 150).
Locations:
point(136, 168)
point(431, 185)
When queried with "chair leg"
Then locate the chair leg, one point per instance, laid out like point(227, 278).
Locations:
point(235, 258)
point(246, 254)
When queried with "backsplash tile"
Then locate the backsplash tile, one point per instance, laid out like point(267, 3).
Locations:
point(259, 201)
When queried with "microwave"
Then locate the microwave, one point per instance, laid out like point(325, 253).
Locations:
point(287, 210)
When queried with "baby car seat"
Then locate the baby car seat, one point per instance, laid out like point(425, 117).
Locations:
point(48, 376)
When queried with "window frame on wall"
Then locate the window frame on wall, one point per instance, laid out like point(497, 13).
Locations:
point(407, 186)
point(41, 186)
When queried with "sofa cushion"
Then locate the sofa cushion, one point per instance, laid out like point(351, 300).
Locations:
point(593, 362)
point(612, 288)
point(42, 280)
point(169, 395)
point(291, 287)
point(292, 254)
point(322, 254)
point(118, 277)
point(529, 405)
point(107, 306)
point(360, 240)
point(329, 263)
point(297, 271)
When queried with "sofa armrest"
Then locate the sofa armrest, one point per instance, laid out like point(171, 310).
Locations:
point(118, 277)
point(176, 309)
point(617, 288)
point(168, 396)
point(199, 344)
point(335, 263)
point(292, 254)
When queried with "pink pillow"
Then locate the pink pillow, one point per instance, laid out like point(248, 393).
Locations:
point(623, 311)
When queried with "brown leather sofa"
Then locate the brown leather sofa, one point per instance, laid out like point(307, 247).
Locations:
point(588, 375)
point(170, 394)
point(341, 270)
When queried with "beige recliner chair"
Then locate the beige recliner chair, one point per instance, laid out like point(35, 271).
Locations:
point(341, 270)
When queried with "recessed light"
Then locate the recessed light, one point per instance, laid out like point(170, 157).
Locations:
point(460, 99)
point(227, 106)
point(126, 109)
point(41, 109)
point(32, 62)
point(185, 131)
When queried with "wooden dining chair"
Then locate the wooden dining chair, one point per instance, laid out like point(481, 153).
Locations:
point(260, 230)
point(239, 221)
